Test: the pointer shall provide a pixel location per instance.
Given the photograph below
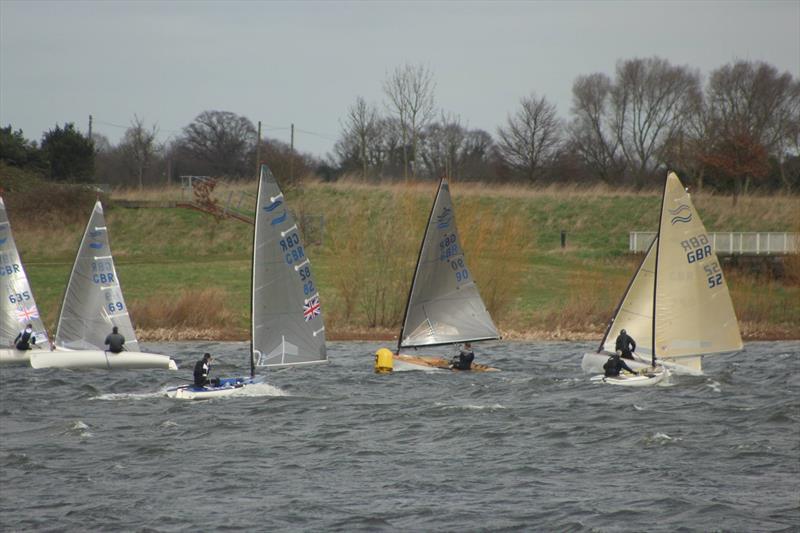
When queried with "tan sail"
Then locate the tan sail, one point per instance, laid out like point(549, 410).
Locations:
point(693, 311)
point(635, 313)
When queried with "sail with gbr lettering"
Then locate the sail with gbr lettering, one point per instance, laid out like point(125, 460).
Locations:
point(444, 305)
point(677, 306)
point(93, 302)
point(19, 306)
point(693, 312)
point(287, 324)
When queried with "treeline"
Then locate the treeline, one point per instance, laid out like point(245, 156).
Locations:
point(737, 130)
point(216, 143)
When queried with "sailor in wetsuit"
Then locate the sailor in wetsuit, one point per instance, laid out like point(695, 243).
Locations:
point(625, 344)
point(115, 341)
point(463, 361)
point(615, 365)
point(25, 338)
point(201, 370)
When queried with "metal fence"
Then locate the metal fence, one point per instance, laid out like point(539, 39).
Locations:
point(733, 242)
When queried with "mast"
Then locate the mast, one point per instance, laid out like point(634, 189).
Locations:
point(253, 273)
point(655, 271)
point(419, 258)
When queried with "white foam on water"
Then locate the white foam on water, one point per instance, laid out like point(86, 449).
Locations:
point(713, 385)
point(78, 428)
point(472, 407)
point(258, 389)
point(114, 396)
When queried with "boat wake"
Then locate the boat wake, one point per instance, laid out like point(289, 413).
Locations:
point(129, 396)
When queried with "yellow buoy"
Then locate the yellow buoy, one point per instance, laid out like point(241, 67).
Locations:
point(384, 362)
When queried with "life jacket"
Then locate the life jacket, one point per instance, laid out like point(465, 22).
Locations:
point(24, 340)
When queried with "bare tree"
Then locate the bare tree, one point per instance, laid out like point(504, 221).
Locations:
point(140, 147)
point(221, 139)
point(361, 131)
point(651, 101)
point(753, 100)
point(531, 137)
point(590, 133)
point(442, 146)
point(410, 90)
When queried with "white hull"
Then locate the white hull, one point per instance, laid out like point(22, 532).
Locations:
point(592, 363)
point(629, 380)
point(229, 387)
point(14, 357)
point(77, 359)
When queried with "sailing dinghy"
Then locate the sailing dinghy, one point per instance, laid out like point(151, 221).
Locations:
point(677, 305)
point(286, 315)
point(93, 305)
point(444, 305)
point(19, 307)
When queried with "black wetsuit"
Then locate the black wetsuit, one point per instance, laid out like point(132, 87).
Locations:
point(201, 369)
point(115, 342)
point(25, 339)
point(626, 345)
point(615, 365)
point(464, 362)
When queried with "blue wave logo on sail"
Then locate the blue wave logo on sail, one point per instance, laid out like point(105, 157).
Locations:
point(95, 245)
point(271, 207)
point(279, 219)
point(443, 220)
point(4, 238)
point(677, 217)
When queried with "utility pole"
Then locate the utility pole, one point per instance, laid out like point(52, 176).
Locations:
point(291, 156)
point(258, 152)
point(90, 127)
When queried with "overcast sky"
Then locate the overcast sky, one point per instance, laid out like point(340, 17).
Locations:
point(306, 62)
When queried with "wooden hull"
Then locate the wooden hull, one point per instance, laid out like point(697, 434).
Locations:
point(434, 363)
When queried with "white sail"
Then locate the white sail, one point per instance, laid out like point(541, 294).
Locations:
point(693, 313)
point(444, 305)
point(287, 325)
point(19, 307)
point(635, 311)
point(93, 302)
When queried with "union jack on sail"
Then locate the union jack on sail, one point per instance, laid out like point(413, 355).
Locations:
point(311, 309)
point(24, 315)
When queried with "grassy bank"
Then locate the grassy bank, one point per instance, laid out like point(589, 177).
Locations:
point(186, 274)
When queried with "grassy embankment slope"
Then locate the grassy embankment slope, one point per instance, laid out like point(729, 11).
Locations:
point(186, 275)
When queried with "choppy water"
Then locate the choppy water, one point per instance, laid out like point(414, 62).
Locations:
point(338, 448)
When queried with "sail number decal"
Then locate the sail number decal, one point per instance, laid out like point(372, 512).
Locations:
point(7, 270)
point(714, 275)
point(103, 272)
point(293, 253)
point(448, 247)
point(697, 248)
point(460, 269)
point(291, 248)
point(113, 302)
point(19, 297)
point(305, 278)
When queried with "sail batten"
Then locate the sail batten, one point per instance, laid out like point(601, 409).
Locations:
point(287, 323)
point(93, 302)
point(444, 305)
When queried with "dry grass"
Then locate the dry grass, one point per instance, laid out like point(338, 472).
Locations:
point(196, 313)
